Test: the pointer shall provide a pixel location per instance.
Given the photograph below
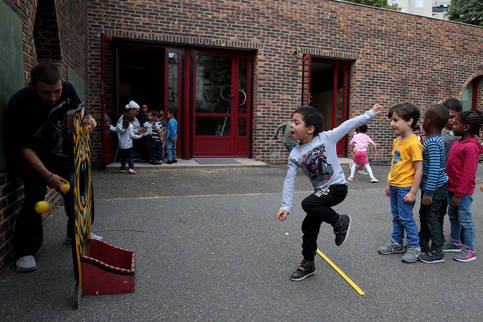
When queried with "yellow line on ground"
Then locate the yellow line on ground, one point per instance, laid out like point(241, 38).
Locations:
point(341, 273)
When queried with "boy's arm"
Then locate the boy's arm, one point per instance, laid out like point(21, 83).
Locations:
point(342, 130)
point(289, 186)
point(418, 174)
point(433, 166)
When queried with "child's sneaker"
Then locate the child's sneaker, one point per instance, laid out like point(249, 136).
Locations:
point(451, 246)
point(411, 255)
point(341, 229)
point(390, 248)
point(305, 270)
point(26, 264)
point(132, 171)
point(374, 180)
point(465, 255)
point(350, 179)
point(432, 256)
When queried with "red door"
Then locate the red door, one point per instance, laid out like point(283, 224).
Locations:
point(220, 104)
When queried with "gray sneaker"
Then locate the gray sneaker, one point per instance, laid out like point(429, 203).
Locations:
point(26, 264)
point(390, 248)
point(411, 255)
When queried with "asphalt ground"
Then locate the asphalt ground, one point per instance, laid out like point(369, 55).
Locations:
point(209, 248)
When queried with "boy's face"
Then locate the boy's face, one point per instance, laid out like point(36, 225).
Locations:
point(400, 125)
point(150, 117)
point(298, 130)
point(452, 118)
point(145, 109)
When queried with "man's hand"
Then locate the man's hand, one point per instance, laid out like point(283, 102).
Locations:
point(386, 192)
point(91, 123)
point(427, 200)
point(282, 215)
point(455, 201)
point(55, 181)
point(377, 108)
point(409, 197)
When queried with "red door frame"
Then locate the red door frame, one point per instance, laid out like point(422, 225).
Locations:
point(107, 141)
point(229, 144)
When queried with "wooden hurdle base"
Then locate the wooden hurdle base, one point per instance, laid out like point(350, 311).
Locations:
point(107, 269)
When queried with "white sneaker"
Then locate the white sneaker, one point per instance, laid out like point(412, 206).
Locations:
point(94, 236)
point(26, 264)
point(132, 171)
point(350, 179)
point(374, 180)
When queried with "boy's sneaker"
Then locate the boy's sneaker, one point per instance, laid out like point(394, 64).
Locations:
point(169, 162)
point(341, 229)
point(374, 180)
point(305, 270)
point(465, 255)
point(390, 248)
point(26, 264)
point(122, 171)
point(451, 246)
point(350, 179)
point(132, 171)
point(411, 255)
point(432, 256)
point(175, 161)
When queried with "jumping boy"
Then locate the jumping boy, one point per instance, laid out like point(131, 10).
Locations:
point(403, 182)
point(434, 185)
point(317, 156)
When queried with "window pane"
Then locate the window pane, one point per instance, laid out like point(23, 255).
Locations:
point(213, 79)
point(172, 80)
point(242, 86)
point(242, 126)
point(467, 99)
point(215, 126)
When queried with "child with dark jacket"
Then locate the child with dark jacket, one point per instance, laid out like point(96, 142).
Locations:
point(433, 185)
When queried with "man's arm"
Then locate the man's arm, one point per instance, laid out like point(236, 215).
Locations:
point(52, 180)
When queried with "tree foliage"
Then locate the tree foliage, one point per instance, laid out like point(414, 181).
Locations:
point(377, 3)
point(467, 11)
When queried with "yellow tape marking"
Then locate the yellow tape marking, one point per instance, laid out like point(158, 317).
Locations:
point(341, 273)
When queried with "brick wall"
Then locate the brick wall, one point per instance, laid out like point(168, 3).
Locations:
point(71, 32)
point(395, 57)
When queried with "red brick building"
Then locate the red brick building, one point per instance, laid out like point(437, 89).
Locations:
point(236, 69)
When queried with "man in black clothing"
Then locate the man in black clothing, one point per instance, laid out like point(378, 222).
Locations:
point(41, 153)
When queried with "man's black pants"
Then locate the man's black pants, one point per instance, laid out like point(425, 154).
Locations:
point(28, 234)
point(318, 208)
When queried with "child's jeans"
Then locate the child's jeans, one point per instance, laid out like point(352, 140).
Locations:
point(460, 217)
point(171, 149)
point(318, 208)
point(402, 217)
point(429, 216)
point(158, 150)
point(126, 155)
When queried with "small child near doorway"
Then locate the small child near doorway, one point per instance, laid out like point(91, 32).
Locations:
point(171, 136)
point(361, 141)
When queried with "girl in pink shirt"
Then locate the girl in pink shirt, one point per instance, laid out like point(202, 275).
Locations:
point(361, 141)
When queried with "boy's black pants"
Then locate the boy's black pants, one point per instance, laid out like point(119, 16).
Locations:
point(430, 217)
point(318, 208)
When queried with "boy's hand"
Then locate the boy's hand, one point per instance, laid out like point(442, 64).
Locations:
point(377, 108)
point(386, 192)
point(481, 187)
point(455, 201)
point(409, 197)
point(282, 215)
point(426, 200)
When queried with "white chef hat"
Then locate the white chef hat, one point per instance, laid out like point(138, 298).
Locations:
point(131, 105)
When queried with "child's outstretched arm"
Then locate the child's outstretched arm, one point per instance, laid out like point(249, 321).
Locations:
point(288, 190)
point(342, 130)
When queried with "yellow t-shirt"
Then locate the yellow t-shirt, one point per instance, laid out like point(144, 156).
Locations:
point(404, 153)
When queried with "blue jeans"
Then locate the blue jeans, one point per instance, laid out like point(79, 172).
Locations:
point(171, 149)
point(402, 217)
point(460, 217)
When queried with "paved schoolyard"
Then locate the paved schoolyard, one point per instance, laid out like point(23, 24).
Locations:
point(209, 249)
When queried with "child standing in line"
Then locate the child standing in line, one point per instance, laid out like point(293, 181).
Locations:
point(360, 141)
point(461, 169)
point(417, 132)
point(403, 182)
point(157, 135)
point(171, 136)
point(125, 135)
point(433, 185)
point(317, 156)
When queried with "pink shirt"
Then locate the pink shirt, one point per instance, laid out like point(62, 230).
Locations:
point(360, 141)
point(462, 165)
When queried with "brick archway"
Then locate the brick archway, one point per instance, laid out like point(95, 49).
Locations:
point(468, 81)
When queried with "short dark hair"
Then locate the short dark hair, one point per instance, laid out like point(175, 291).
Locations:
point(172, 110)
point(416, 128)
point(406, 111)
point(311, 116)
point(473, 118)
point(47, 73)
point(362, 129)
point(453, 104)
point(438, 114)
